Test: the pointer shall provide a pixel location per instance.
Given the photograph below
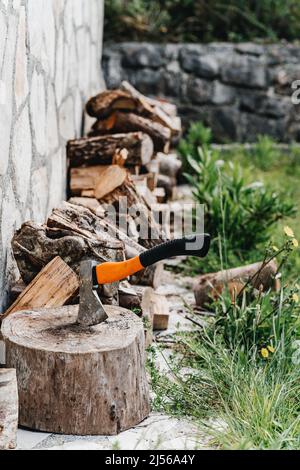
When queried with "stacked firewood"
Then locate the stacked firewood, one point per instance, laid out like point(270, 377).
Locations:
point(126, 154)
point(127, 149)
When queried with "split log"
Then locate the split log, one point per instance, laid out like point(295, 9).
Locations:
point(54, 286)
point(160, 310)
point(82, 220)
point(101, 150)
point(35, 245)
point(76, 380)
point(158, 110)
point(168, 183)
point(110, 179)
point(129, 122)
point(89, 203)
point(129, 298)
point(100, 180)
point(8, 409)
point(104, 104)
point(208, 287)
point(16, 288)
point(151, 276)
point(166, 106)
point(147, 315)
point(169, 164)
point(150, 233)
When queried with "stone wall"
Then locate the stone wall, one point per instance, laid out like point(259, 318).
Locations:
point(239, 90)
point(50, 53)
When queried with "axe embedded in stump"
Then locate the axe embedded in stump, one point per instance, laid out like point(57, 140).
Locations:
point(81, 369)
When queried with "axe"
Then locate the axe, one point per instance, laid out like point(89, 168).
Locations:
point(91, 310)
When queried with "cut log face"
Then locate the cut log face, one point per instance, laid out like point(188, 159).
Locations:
point(8, 409)
point(110, 179)
point(104, 103)
point(129, 122)
point(160, 311)
point(76, 380)
point(101, 150)
point(208, 287)
point(55, 284)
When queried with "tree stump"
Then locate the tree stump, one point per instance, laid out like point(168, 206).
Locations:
point(76, 380)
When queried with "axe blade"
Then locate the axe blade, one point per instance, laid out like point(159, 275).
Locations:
point(91, 311)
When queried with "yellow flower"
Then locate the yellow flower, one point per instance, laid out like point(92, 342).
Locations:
point(288, 231)
point(264, 352)
point(274, 247)
point(295, 242)
point(270, 348)
point(295, 298)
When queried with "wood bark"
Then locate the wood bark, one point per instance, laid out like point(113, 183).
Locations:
point(8, 409)
point(71, 238)
point(102, 105)
point(166, 106)
point(129, 122)
point(101, 180)
point(76, 380)
point(150, 232)
point(208, 287)
point(101, 150)
point(83, 218)
point(55, 284)
point(110, 179)
point(159, 306)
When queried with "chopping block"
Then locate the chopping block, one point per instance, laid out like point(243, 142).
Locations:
point(74, 379)
point(81, 369)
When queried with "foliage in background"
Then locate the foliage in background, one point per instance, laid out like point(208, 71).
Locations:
point(201, 20)
point(240, 214)
point(239, 377)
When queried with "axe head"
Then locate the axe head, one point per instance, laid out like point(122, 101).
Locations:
point(91, 311)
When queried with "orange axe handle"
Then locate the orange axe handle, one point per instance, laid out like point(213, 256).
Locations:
point(194, 245)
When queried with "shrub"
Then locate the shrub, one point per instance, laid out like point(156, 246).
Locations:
point(201, 20)
point(239, 215)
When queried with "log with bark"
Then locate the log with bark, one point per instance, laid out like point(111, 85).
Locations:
point(76, 380)
point(208, 287)
point(104, 104)
point(128, 122)
point(169, 164)
point(102, 149)
point(70, 236)
point(8, 409)
point(150, 233)
point(166, 106)
point(54, 286)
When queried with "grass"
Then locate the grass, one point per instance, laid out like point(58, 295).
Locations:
point(282, 172)
point(241, 370)
point(249, 195)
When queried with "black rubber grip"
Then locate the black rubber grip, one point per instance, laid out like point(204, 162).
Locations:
point(192, 245)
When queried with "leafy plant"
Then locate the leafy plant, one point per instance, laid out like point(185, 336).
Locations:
point(241, 371)
point(201, 20)
point(239, 215)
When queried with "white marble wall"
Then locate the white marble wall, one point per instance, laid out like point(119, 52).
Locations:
point(50, 52)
